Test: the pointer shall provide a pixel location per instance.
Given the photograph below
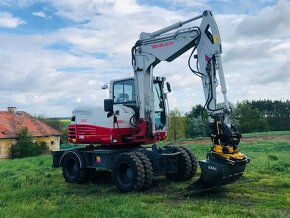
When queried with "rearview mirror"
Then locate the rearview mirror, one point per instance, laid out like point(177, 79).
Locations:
point(168, 86)
point(108, 105)
point(105, 86)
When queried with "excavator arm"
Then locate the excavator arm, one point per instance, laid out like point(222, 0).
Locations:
point(152, 48)
point(224, 162)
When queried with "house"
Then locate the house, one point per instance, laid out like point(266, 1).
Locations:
point(11, 121)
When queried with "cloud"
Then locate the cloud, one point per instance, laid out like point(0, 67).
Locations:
point(18, 3)
point(249, 51)
point(203, 4)
point(261, 91)
point(39, 14)
point(269, 23)
point(281, 52)
point(9, 21)
point(81, 10)
point(54, 72)
point(279, 75)
point(256, 47)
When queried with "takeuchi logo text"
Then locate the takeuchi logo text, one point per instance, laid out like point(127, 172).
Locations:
point(162, 44)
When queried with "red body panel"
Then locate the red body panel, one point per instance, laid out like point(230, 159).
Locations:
point(90, 134)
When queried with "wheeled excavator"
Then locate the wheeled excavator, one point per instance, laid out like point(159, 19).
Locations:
point(136, 115)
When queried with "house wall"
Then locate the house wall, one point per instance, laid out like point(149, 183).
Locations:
point(53, 143)
point(5, 145)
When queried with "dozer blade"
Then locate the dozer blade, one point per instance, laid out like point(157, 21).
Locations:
point(217, 172)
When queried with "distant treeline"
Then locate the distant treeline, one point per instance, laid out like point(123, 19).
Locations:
point(247, 116)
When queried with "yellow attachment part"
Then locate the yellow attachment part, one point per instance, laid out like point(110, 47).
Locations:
point(215, 39)
point(232, 154)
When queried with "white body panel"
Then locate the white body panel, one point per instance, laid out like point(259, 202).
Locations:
point(92, 115)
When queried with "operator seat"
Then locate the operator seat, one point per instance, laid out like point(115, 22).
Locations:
point(123, 97)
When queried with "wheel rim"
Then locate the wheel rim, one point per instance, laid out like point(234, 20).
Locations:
point(72, 167)
point(125, 174)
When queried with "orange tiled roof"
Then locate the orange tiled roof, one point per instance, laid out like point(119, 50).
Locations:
point(11, 123)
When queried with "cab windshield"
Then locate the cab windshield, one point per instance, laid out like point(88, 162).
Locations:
point(159, 106)
point(124, 91)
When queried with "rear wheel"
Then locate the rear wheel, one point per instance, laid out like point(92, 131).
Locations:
point(71, 169)
point(148, 170)
point(193, 162)
point(184, 166)
point(128, 172)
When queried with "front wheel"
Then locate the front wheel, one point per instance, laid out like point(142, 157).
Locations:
point(128, 172)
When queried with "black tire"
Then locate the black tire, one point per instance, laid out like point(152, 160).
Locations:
point(148, 170)
point(193, 161)
point(184, 166)
point(71, 169)
point(128, 172)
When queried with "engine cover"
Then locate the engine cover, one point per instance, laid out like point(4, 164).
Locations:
point(90, 125)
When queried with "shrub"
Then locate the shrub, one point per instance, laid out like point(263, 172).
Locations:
point(25, 146)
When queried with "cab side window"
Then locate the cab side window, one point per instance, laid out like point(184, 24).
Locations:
point(124, 91)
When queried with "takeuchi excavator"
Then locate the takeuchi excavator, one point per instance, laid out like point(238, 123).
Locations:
point(136, 115)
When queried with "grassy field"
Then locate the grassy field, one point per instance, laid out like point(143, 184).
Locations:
point(31, 188)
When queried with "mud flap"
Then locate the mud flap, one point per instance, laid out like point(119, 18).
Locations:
point(217, 172)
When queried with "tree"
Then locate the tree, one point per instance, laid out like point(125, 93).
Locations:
point(196, 128)
point(194, 122)
point(276, 113)
point(250, 119)
point(176, 125)
point(25, 146)
point(196, 111)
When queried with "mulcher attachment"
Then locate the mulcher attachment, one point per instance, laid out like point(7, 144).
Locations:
point(216, 172)
point(224, 163)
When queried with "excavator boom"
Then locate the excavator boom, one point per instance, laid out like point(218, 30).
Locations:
point(224, 163)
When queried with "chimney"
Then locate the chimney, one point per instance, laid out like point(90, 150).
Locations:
point(12, 110)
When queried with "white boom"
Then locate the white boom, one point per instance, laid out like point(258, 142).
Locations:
point(160, 45)
point(224, 163)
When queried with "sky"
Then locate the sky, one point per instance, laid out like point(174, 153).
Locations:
point(55, 55)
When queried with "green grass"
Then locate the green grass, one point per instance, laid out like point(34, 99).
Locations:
point(31, 188)
point(270, 133)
